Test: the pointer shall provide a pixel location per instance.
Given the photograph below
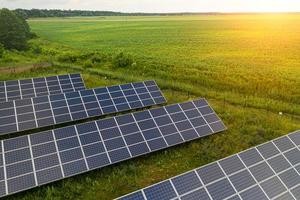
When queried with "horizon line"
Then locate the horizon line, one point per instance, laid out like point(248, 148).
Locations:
point(179, 12)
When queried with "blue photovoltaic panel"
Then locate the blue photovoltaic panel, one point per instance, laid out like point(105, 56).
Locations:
point(268, 171)
point(34, 87)
point(25, 114)
point(41, 158)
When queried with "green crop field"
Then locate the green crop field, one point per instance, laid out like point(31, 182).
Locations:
point(246, 66)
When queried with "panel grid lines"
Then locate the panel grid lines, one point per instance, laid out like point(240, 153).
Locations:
point(34, 90)
point(98, 102)
point(4, 167)
point(290, 162)
point(127, 134)
point(174, 123)
point(33, 167)
point(120, 129)
point(191, 122)
point(15, 112)
point(149, 92)
point(247, 168)
point(257, 183)
point(34, 114)
point(52, 113)
point(110, 96)
point(161, 135)
point(205, 120)
point(47, 86)
point(127, 99)
point(46, 168)
point(122, 136)
point(60, 88)
point(68, 108)
point(76, 149)
point(56, 149)
point(154, 122)
point(34, 87)
point(140, 131)
point(101, 138)
point(270, 166)
point(80, 144)
point(21, 97)
point(84, 106)
point(172, 184)
point(136, 93)
point(5, 92)
point(72, 106)
point(73, 83)
point(227, 178)
point(104, 99)
point(268, 182)
point(204, 186)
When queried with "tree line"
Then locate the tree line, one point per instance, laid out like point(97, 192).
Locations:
point(38, 13)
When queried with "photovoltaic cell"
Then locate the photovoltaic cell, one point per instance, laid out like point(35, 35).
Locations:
point(35, 87)
point(41, 158)
point(25, 114)
point(268, 171)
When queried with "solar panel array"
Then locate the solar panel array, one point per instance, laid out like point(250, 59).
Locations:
point(37, 159)
point(28, 88)
point(268, 171)
point(25, 114)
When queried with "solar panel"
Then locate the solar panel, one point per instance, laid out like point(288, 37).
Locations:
point(34, 87)
point(268, 171)
point(25, 114)
point(41, 158)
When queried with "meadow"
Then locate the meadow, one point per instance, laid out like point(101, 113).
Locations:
point(246, 66)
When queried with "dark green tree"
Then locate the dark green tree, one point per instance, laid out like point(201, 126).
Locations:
point(21, 13)
point(14, 30)
point(25, 24)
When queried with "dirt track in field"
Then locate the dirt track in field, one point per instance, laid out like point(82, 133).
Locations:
point(20, 69)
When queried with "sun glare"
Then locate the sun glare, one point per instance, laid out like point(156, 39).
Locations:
point(264, 5)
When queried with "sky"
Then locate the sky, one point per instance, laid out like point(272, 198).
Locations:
point(160, 5)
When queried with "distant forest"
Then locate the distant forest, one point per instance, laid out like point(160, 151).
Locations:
point(35, 13)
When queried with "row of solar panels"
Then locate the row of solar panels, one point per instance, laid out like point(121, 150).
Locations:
point(36, 159)
point(71, 102)
point(269, 171)
point(27, 88)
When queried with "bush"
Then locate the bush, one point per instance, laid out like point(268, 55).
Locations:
point(36, 49)
point(1, 50)
point(84, 56)
point(96, 58)
point(33, 35)
point(9, 58)
point(50, 52)
point(87, 64)
point(68, 57)
point(122, 60)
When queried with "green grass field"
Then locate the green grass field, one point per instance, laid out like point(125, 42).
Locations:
point(246, 66)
